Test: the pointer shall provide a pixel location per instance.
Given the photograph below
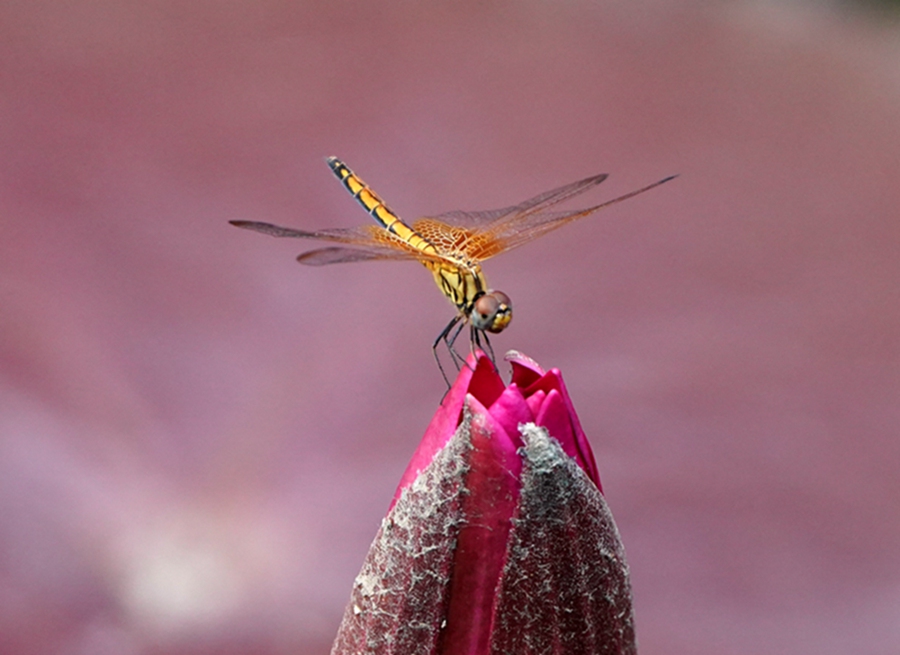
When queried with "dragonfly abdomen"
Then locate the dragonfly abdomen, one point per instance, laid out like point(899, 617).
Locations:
point(377, 208)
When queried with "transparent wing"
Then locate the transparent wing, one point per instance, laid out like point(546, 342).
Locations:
point(340, 255)
point(513, 230)
point(538, 203)
point(362, 243)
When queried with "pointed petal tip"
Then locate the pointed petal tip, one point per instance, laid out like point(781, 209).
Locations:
point(525, 371)
point(515, 357)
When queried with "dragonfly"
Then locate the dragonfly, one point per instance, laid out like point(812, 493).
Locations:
point(451, 246)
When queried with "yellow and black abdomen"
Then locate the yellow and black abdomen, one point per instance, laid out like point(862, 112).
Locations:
point(376, 207)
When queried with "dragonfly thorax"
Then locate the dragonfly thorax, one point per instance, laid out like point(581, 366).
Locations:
point(460, 282)
point(491, 311)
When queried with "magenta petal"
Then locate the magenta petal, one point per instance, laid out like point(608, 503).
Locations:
point(581, 440)
point(429, 581)
point(491, 494)
point(555, 416)
point(565, 587)
point(479, 378)
point(525, 371)
point(511, 409)
point(535, 401)
point(553, 380)
point(485, 383)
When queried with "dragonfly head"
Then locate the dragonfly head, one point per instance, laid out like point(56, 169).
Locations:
point(491, 312)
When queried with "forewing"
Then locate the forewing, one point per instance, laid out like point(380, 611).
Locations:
point(536, 204)
point(518, 229)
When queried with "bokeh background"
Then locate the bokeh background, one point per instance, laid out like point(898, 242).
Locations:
point(198, 437)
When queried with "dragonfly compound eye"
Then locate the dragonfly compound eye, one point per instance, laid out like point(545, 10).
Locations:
point(492, 312)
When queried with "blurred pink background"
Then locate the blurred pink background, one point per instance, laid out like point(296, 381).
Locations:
point(199, 437)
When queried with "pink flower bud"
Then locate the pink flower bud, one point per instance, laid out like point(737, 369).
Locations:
point(498, 540)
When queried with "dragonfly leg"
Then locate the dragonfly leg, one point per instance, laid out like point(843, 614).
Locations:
point(490, 349)
point(486, 348)
point(458, 359)
point(443, 336)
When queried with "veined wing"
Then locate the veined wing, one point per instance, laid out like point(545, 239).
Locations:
point(512, 230)
point(538, 203)
point(344, 255)
point(362, 243)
